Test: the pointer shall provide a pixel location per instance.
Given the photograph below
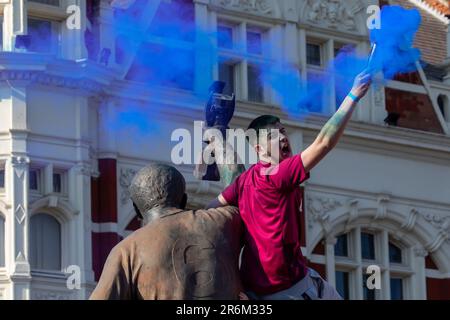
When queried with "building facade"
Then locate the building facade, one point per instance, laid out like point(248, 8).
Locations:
point(78, 119)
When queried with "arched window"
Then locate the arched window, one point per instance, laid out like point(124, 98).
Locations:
point(2, 241)
point(358, 249)
point(45, 242)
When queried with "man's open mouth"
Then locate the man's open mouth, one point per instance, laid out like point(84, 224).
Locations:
point(285, 149)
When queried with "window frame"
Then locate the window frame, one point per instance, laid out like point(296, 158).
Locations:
point(63, 228)
point(355, 265)
point(240, 58)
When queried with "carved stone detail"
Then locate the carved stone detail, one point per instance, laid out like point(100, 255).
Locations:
point(126, 176)
point(442, 224)
point(318, 209)
point(49, 295)
point(333, 13)
point(262, 7)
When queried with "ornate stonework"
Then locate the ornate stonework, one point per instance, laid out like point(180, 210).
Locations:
point(126, 176)
point(49, 295)
point(338, 14)
point(318, 208)
point(261, 7)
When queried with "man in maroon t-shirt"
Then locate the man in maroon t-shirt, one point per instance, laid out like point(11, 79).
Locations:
point(268, 197)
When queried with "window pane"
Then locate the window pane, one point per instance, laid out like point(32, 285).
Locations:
point(226, 74)
point(254, 42)
point(33, 180)
point(368, 294)
point(2, 178)
point(341, 246)
point(255, 88)
point(49, 2)
point(367, 246)
point(41, 36)
point(395, 253)
point(342, 284)
point(177, 71)
point(225, 37)
point(57, 182)
point(45, 242)
point(396, 289)
point(313, 54)
point(2, 242)
point(315, 89)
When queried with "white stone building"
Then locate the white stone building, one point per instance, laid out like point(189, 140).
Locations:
point(381, 198)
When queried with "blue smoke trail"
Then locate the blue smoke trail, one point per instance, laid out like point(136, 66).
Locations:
point(394, 41)
point(394, 54)
point(170, 57)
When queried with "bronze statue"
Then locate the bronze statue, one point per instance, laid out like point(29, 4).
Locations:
point(177, 254)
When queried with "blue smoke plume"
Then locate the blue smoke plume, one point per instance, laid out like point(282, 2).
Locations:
point(170, 57)
point(394, 52)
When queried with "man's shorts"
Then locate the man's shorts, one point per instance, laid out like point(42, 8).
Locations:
point(311, 287)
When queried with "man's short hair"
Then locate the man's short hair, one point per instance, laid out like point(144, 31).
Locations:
point(262, 122)
point(157, 185)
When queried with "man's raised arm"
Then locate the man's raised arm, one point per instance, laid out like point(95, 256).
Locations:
point(334, 128)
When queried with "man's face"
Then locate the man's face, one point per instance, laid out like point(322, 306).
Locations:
point(276, 137)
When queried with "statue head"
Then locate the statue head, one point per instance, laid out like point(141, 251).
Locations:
point(157, 186)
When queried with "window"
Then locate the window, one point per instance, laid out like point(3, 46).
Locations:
point(57, 182)
point(358, 249)
point(2, 241)
point(48, 2)
point(367, 246)
point(241, 59)
point(43, 36)
point(226, 74)
point(254, 41)
point(45, 242)
point(342, 284)
point(313, 54)
point(395, 253)
point(225, 37)
point(2, 178)
point(34, 179)
point(341, 246)
point(255, 87)
point(396, 288)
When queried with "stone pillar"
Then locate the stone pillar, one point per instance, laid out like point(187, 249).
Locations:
point(14, 23)
point(80, 196)
point(329, 258)
point(204, 54)
point(17, 194)
point(20, 275)
point(419, 280)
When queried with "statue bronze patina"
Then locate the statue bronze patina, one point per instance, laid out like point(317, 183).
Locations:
point(177, 254)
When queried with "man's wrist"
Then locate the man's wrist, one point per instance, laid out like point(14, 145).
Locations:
point(354, 97)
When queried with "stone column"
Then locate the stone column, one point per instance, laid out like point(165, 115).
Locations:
point(17, 194)
point(19, 267)
point(15, 22)
point(204, 54)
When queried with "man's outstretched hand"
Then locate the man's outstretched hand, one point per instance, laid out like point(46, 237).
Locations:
point(362, 84)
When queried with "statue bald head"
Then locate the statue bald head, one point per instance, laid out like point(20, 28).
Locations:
point(157, 185)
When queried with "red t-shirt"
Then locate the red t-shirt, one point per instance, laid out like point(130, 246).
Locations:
point(270, 208)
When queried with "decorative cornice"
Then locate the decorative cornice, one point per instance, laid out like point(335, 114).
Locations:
point(43, 78)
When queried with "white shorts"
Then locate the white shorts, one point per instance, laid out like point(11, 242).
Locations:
point(311, 287)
